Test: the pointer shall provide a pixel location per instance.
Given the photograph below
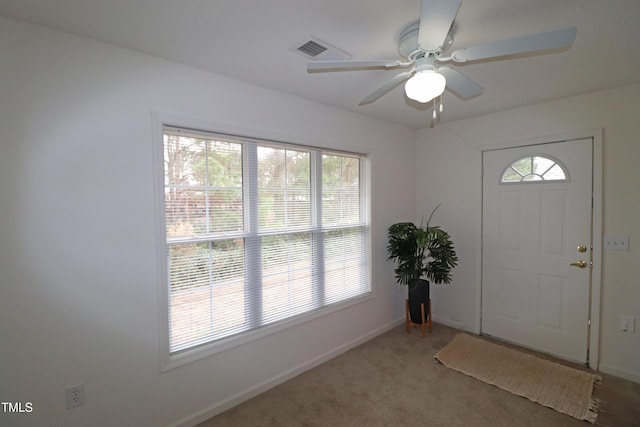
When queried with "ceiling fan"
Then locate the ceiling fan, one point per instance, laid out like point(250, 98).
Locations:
point(423, 46)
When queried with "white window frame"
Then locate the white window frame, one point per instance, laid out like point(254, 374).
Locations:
point(167, 359)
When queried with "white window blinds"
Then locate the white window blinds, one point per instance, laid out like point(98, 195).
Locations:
point(258, 232)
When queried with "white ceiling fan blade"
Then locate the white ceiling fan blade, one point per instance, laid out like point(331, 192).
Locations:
point(460, 84)
point(528, 44)
point(395, 81)
point(436, 17)
point(352, 65)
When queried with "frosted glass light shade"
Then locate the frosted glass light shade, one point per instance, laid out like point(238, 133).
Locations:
point(425, 85)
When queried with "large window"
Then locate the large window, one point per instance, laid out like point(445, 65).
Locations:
point(257, 232)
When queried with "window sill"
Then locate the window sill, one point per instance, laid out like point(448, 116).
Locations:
point(184, 357)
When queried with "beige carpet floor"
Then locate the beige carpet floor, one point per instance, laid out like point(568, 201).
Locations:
point(394, 380)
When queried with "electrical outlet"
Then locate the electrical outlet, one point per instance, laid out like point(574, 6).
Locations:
point(628, 324)
point(74, 395)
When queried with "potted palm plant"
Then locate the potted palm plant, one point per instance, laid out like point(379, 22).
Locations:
point(423, 254)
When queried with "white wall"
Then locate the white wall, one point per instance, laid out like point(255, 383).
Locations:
point(449, 155)
point(78, 287)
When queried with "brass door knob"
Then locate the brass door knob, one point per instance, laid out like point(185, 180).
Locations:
point(580, 264)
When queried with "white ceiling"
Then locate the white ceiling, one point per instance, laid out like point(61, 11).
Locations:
point(253, 41)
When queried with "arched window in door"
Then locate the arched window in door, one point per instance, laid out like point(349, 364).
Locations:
point(535, 168)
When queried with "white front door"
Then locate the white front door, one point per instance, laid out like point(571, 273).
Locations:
point(537, 212)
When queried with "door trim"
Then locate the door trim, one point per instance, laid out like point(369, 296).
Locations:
point(596, 135)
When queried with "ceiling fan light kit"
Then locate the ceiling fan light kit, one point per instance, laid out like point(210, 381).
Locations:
point(425, 85)
point(423, 44)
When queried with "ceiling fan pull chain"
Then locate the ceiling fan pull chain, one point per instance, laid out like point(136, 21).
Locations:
point(440, 108)
point(435, 113)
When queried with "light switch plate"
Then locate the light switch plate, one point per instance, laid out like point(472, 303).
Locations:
point(616, 243)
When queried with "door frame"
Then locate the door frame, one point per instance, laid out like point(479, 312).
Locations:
point(593, 346)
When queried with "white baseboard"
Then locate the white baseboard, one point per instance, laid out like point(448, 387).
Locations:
point(452, 324)
point(238, 398)
point(621, 373)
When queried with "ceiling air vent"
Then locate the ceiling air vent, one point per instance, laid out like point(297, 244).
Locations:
point(312, 48)
point(319, 50)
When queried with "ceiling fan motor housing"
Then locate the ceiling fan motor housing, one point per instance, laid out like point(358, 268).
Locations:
point(408, 47)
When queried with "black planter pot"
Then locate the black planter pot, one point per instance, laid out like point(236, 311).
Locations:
point(418, 294)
